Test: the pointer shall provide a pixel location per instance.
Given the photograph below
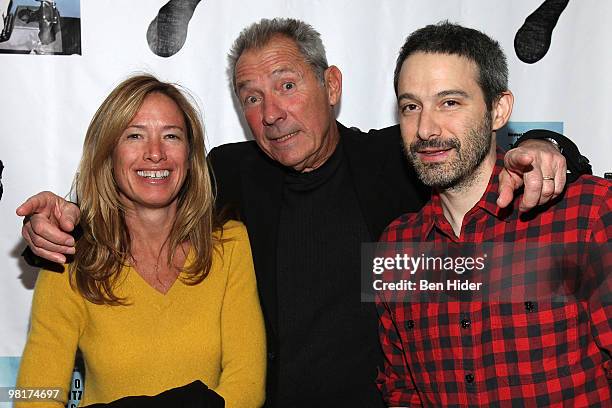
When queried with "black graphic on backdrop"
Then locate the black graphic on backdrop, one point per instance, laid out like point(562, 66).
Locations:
point(532, 40)
point(168, 30)
point(1, 187)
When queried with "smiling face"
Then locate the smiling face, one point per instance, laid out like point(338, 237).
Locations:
point(446, 126)
point(289, 110)
point(150, 161)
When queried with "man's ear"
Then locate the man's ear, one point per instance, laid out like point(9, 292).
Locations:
point(502, 109)
point(333, 84)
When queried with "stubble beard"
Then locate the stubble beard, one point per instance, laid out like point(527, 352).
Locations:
point(460, 171)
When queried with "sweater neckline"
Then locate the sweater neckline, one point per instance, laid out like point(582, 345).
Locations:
point(311, 180)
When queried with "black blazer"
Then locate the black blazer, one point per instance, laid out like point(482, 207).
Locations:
point(250, 183)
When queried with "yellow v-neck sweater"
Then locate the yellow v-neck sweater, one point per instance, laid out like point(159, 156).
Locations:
point(212, 331)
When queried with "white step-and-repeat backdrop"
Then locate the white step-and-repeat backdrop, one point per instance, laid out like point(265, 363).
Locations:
point(55, 72)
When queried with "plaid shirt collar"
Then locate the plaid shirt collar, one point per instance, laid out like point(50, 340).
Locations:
point(433, 215)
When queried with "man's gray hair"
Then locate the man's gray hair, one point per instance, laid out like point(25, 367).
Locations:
point(259, 34)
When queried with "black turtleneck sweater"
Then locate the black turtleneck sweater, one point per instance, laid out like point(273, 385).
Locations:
point(323, 325)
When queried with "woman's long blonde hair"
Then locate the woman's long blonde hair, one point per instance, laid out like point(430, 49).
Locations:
point(104, 248)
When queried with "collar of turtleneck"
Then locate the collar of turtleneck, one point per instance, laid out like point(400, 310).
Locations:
point(311, 180)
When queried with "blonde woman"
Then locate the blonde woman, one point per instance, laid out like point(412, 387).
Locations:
point(159, 294)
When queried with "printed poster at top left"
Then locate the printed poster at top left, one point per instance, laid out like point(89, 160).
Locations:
point(40, 27)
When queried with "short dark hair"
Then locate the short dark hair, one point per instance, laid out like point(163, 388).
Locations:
point(453, 39)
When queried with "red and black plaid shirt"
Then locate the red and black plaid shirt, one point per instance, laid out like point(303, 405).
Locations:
point(496, 354)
